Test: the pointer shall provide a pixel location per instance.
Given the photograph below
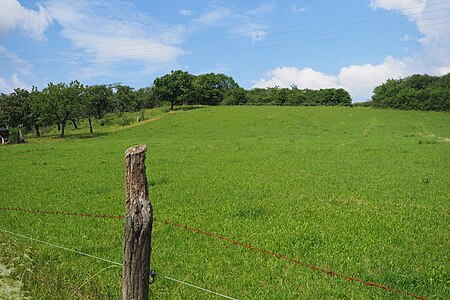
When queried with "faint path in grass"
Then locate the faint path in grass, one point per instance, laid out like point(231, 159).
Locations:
point(138, 123)
point(97, 133)
point(10, 289)
point(426, 133)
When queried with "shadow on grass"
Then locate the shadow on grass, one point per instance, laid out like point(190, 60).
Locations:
point(87, 135)
point(189, 107)
point(69, 136)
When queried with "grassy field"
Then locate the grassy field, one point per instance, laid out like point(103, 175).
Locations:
point(361, 192)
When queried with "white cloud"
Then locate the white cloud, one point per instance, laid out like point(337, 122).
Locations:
point(360, 80)
point(406, 6)
point(253, 24)
point(14, 15)
point(257, 35)
point(9, 84)
point(212, 17)
point(262, 9)
point(12, 60)
point(430, 16)
point(186, 12)
point(112, 32)
point(431, 19)
point(303, 78)
point(297, 10)
point(255, 31)
point(12, 67)
point(237, 22)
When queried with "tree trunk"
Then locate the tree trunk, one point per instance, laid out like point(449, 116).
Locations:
point(171, 105)
point(138, 227)
point(59, 126)
point(90, 125)
point(74, 122)
point(36, 129)
point(63, 126)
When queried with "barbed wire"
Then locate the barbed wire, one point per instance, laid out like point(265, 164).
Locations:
point(111, 262)
point(60, 247)
point(237, 243)
point(293, 260)
point(200, 288)
point(61, 213)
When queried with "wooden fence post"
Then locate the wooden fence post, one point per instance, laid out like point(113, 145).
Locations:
point(138, 227)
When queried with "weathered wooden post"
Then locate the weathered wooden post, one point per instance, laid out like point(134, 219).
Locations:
point(138, 227)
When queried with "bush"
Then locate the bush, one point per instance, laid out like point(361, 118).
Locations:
point(141, 116)
point(125, 121)
point(106, 122)
point(165, 109)
point(15, 136)
point(418, 92)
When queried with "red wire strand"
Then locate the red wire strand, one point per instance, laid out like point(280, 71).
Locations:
point(250, 247)
point(60, 213)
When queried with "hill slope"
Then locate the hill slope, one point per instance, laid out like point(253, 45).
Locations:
point(361, 192)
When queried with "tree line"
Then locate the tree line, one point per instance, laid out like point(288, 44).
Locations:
point(416, 92)
point(62, 103)
point(58, 104)
point(180, 87)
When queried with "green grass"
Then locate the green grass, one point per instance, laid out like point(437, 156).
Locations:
point(358, 191)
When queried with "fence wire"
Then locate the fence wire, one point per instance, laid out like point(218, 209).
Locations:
point(237, 243)
point(112, 262)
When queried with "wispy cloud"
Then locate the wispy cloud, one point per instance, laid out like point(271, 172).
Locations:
point(33, 22)
point(296, 10)
point(13, 60)
point(112, 32)
point(262, 9)
point(186, 12)
point(212, 17)
point(7, 85)
point(235, 21)
point(360, 80)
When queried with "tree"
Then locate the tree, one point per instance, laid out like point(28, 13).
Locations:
point(145, 98)
point(11, 108)
point(33, 113)
point(174, 88)
point(211, 88)
point(17, 110)
point(420, 92)
point(97, 102)
point(125, 98)
point(63, 102)
point(235, 96)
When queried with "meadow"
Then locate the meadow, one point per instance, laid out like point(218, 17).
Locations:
point(362, 192)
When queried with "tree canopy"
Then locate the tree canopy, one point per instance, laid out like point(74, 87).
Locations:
point(175, 88)
point(418, 92)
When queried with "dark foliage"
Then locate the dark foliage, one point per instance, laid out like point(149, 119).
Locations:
point(288, 97)
point(417, 92)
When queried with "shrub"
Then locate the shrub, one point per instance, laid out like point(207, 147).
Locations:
point(125, 121)
point(106, 122)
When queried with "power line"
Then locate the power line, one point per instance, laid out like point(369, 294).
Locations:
point(65, 62)
point(163, 49)
point(282, 27)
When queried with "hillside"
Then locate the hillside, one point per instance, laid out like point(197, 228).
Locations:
point(361, 192)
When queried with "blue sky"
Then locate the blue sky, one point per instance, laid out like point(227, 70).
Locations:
point(354, 44)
